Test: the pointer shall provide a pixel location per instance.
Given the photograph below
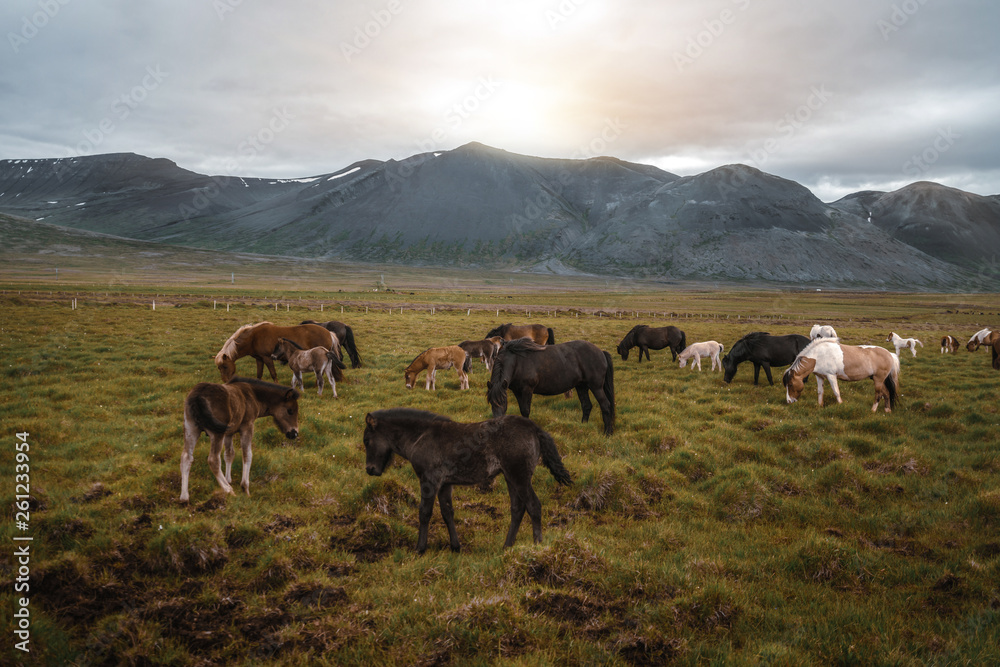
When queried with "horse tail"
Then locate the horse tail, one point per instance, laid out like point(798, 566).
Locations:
point(551, 458)
point(351, 347)
point(338, 365)
point(609, 390)
point(203, 417)
point(551, 340)
point(683, 341)
point(890, 385)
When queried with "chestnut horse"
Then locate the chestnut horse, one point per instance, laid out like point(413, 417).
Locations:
point(434, 358)
point(828, 359)
point(445, 453)
point(223, 410)
point(539, 333)
point(260, 340)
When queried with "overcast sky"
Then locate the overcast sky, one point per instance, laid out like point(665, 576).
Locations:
point(839, 96)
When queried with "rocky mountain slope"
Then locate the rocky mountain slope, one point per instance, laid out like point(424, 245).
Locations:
point(480, 206)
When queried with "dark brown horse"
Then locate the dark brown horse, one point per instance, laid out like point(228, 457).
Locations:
point(539, 333)
point(527, 368)
point(260, 341)
point(648, 338)
point(762, 350)
point(485, 349)
point(345, 335)
point(450, 453)
point(221, 411)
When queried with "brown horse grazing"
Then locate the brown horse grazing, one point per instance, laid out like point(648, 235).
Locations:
point(221, 411)
point(345, 335)
point(828, 359)
point(260, 340)
point(949, 344)
point(648, 338)
point(319, 360)
point(485, 349)
point(539, 333)
point(434, 358)
point(444, 453)
point(527, 368)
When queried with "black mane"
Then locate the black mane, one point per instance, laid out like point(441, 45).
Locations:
point(408, 415)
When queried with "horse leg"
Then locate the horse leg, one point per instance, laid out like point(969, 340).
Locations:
point(215, 465)
point(523, 402)
point(260, 367)
point(463, 378)
point(643, 350)
point(429, 381)
point(319, 381)
point(517, 507)
point(605, 404)
point(756, 372)
point(297, 380)
point(767, 371)
point(228, 456)
point(819, 388)
point(448, 514)
point(191, 435)
point(697, 360)
point(270, 368)
point(246, 442)
point(585, 404)
point(832, 379)
point(428, 491)
point(330, 380)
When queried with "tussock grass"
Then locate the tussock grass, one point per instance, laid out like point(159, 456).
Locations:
point(718, 524)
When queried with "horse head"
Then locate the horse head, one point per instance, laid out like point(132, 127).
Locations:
point(794, 378)
point(226, 366)
point(286, 414)
point(378, 452)
point(729, 366)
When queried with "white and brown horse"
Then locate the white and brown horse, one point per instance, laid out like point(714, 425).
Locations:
point(438, 358)
point(983, 337)
point(829, 360)
point(949, 344)
point(695, 351)
point(899, 343)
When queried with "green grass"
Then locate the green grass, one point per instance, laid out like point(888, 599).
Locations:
point(717, 525)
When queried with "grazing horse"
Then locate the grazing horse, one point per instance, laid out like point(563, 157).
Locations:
point(485, 349)
point(259, 341)
point(345, 335)
point(695, 351)
point(982, 337)
point(899, 342)
point(987, 337)
point(539, 333)
point(949, 344)
point(319, 360)
point(822, 331)
point(762, 350)
point(827, 358)
point(444, 453)
point(434, 358)
point(648, 338)
point(221, 411)
point(527, 368)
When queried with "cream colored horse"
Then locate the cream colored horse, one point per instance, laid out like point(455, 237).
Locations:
point(829, 360)
point(437, 358)
point(695, 351)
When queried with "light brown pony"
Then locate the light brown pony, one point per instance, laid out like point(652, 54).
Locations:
point(319, 360)
point(539, 333)
point(828, 359)
point(223, 410)
point(485, 349)
point(260, 340)
point(435, 358)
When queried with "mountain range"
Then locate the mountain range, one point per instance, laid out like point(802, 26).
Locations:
point(477, 206)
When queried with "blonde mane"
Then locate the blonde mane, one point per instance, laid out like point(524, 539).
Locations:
point(229, 347)
point(808, 350)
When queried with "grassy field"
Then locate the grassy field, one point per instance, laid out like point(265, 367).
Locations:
point(718, 525)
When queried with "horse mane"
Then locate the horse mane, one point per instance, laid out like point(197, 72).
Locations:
point(749, 341)
point(293, 343)
point(261, 384)
point(521, 346)
point(629, 339)
point(499, 330)
point(416, 358)
point(231, 344)
point(408, 415)
point(808, 350)
point(981, 335)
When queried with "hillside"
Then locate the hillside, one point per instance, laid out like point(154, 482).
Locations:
point(477, 206)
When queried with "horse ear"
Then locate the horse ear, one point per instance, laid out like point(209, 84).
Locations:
point(292, 395)
point(370, 420)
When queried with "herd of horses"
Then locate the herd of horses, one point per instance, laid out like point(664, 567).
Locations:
point(523, 360)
